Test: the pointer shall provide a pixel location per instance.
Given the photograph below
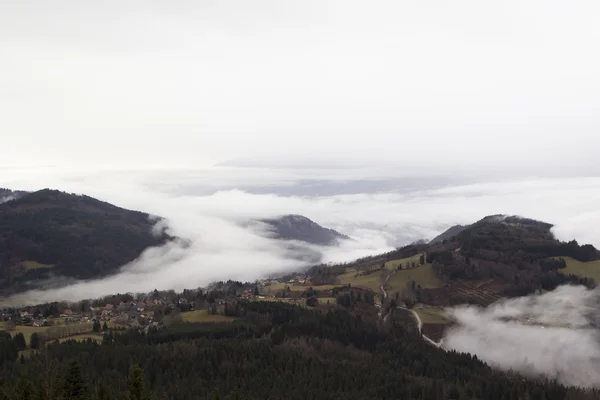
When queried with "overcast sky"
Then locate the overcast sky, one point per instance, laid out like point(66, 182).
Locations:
point(431, 85)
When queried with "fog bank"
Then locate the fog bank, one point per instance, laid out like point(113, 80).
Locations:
point(553, 335)
point(221, 248)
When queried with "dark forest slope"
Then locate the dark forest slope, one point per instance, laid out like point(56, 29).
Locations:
point(51, 233)
point(502, 256)
point(448, 234)
point(297, 227)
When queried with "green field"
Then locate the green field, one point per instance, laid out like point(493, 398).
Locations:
point(204, 316)
point(371, 281)
point(27, 331)
point(432, 315)
point(391, 265)
point(590, 269)
point(27, 265)
point(324, 300)
point(422, 275)
point(299, 302)
point(297, 288)
point(56, 331)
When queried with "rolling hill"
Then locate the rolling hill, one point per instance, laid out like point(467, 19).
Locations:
point(48, 234)
point(298, 227)
point(448, 234)
point(8, 195)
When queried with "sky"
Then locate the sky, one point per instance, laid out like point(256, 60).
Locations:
point(500, 88)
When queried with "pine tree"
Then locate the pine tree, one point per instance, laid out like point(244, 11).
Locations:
point(24, 389)
point(34, 341)
point(73, 386)
point(135, 383)
point(105, 326)
point(96, 327)
point(19, 340)
point(102, 393)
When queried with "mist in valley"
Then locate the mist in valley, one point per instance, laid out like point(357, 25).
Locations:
point(554, 335)
point(220, 244)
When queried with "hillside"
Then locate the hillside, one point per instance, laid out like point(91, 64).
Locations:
point(7, 194)
point(495, 257)
point(49, 234)
point(448, 234)
point(298, 227)
point(501, 256)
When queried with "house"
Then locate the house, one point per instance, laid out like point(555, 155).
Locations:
point(109, 307)
point(68, 312)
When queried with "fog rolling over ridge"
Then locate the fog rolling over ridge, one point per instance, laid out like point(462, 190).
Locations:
point(554, 335)
point(223, 248)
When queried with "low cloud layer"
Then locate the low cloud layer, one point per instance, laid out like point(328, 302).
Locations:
point(221, 248)
point(552, 335)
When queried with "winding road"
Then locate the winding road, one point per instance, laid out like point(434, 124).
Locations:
point(420, 326)
point(414, 313)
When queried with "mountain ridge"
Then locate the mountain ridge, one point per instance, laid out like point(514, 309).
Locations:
point(299, 227)
point(52, 233)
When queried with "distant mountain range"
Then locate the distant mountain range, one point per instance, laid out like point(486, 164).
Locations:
point(298, 227)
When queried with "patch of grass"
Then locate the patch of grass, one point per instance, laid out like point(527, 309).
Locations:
point(324, 300)
point(27, 353)
point(299, 302)
point(423, 275)
point(204, 316)
point(432, 315)
point(27, 331)
point(590, 269)
point(272, 289)
point(29, 264)
point(80, 338)
point(275, 287)
point(391, 265)
point(371, 281)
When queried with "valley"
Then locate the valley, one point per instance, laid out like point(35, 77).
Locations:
point(329, 314)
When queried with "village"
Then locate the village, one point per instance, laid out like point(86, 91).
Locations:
point(89, 318)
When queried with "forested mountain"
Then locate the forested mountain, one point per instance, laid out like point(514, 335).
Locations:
point(7, 194)
point(448, 234)
point(503, 256)
point(50, 233)
point(297, 227)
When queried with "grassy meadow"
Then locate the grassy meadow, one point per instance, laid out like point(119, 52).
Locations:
point(590, 269)
point(204, 316)
point(422, 275)
point(27, 265)
point(432, 315)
